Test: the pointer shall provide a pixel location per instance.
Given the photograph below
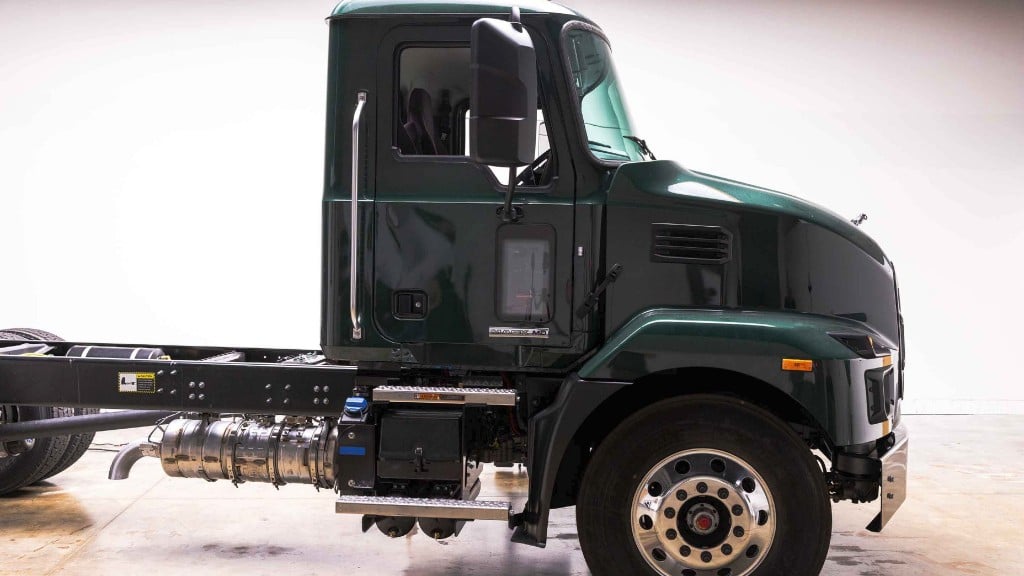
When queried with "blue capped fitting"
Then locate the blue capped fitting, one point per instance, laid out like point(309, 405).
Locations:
point(356, 406)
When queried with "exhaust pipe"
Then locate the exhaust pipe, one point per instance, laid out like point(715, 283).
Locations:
point(255, 450)
point(129, 455)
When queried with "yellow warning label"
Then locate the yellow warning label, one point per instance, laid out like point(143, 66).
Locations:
point(136, 382)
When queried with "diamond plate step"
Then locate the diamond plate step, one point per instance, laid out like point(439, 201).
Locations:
point(424, 508)
point(438, 395)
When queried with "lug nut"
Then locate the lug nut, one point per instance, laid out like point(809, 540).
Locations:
point(726, 549)
point(702, 487)
point(737, 510)
point(684, 551)
point(681, 495)
point(670, 534)
point(670, 513)
point(738, 532)
point(723, 493)
point(705, 556)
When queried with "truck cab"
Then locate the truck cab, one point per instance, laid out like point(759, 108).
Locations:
point(510, 276)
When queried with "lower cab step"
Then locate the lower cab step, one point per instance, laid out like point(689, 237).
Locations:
point(424, 508)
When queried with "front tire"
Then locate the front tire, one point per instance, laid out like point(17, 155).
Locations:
point(704, 486)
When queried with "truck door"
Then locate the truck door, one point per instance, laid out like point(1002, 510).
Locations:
point(448, 270)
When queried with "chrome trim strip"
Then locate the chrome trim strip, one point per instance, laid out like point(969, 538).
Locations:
point(357, 330)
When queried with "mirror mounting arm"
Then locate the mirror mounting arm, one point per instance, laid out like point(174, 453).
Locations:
point(508, 212)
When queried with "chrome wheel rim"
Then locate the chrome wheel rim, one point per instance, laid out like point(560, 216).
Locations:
point(703, 512)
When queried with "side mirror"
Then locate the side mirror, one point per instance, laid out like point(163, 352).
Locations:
point(503, 96)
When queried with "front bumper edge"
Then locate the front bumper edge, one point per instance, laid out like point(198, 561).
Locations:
point(894, 479)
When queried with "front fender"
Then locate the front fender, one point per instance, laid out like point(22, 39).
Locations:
point(753, 343)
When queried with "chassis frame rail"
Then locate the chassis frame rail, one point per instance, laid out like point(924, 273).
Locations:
point(269, 381)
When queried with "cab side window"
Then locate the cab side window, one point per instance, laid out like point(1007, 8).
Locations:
point(433, 87)
point(432, 106)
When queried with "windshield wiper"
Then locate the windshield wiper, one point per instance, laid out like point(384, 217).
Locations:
point(606, 149)
point(643, 146)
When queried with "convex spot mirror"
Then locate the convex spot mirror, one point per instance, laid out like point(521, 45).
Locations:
point(503, 95)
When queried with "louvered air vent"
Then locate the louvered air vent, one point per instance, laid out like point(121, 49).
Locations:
point(690, 244)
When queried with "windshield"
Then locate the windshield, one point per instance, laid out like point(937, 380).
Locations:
point(598, 93)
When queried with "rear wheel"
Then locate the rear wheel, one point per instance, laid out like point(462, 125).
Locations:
point(32, 466)
point(704, 486)
point(75, 445)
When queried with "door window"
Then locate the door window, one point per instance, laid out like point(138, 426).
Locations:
point(432, 108)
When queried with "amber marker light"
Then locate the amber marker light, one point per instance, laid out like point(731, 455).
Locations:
point(797, 365)
point(887, 360)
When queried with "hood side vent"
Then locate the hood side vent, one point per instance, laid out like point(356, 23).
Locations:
point(690, 244)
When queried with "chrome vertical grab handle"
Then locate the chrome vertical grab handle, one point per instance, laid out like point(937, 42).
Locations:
point(357, 330)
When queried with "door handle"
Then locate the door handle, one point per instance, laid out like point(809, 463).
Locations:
point(353, 308)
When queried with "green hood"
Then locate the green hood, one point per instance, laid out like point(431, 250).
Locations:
point(667, 179)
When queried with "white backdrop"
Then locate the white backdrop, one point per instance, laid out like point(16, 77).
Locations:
point(160, 162)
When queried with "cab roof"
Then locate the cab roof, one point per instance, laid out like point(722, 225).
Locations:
point(393, 7)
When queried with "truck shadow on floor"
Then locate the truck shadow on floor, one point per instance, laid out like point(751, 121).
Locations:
point(42, 510)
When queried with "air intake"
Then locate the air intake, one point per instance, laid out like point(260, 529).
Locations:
point(690, 244)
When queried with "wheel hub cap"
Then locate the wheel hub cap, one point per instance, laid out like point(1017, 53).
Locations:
point(703, 513)
point(703, 519)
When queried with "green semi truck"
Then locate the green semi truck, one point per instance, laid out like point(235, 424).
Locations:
point(510, 277)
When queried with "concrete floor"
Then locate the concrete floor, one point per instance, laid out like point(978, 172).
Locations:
point(963, 518)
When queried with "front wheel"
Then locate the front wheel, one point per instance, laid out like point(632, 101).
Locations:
point(704, 486)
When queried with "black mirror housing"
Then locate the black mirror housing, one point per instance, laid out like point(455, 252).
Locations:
point(503, 95)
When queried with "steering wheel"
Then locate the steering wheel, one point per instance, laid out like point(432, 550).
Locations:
point(530, 176)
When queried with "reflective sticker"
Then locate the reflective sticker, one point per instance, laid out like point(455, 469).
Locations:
point(136, 382)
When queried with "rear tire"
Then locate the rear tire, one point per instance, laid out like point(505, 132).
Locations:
point(702, 486)
point(19, 471)
point(76, 444)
